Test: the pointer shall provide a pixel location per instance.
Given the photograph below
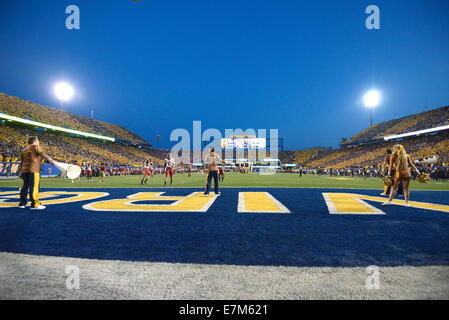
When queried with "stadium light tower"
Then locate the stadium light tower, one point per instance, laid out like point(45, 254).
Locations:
point(371, 100)
point(63, 91)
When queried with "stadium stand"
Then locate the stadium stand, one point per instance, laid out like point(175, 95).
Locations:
point(25, 109)
point(72, 149)
point(303, 156)
point(367, 148)
point(415, 122)
point(63, 147)
point(372, 155)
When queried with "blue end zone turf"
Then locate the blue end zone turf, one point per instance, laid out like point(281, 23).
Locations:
point(309, 236)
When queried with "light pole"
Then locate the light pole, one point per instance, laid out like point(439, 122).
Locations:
point(371, 100)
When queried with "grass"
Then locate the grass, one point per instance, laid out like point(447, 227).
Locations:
point(231, 180)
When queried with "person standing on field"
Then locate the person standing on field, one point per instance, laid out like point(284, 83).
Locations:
point(211, 161)
point(102, 172)
point(30, 161)
point(401, 161)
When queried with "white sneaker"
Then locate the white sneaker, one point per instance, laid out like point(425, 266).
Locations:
point(22, 207)
point(41, 207)
point(386, 203)
point(406, 204)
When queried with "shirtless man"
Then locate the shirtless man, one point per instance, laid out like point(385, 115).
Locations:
point(211, 161)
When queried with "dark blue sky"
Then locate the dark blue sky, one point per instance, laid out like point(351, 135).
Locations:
point(299, 66)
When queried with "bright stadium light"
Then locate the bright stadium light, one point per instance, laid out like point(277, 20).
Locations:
point(63, 91)
point(371, 100)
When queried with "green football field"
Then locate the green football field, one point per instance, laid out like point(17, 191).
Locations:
point(231, 180)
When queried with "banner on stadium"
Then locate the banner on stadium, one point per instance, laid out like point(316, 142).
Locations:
point(12, 169)
point(245, 143)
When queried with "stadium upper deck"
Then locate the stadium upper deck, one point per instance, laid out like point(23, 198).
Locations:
point(369, 155)
point(72, 149)
point(33, 111)
point(414, 122)
point(67, 148)
point(368, 146)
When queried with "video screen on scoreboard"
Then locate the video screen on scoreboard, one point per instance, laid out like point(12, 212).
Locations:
point(243, 143)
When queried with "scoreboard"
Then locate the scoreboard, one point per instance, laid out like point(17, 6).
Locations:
point(243, 143)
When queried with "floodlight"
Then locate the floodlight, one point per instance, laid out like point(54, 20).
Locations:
point(371, 99)
point(63, 91)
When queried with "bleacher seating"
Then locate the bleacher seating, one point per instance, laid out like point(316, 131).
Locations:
point(303, 156)
point(68, 149)
point(415, 122)
point(372, 155)
point(32, 111)
point(367, 148)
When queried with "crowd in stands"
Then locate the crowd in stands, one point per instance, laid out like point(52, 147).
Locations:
point(79, 150)
point(436, 172)
point(303, 156)
point(11, 144)
point(368, 155)
point(367, 148)
point(429, 119)
point(351, 159)
point(69, 149)
point(32, 111)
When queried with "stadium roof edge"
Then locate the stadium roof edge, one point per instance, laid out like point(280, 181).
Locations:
point(55, 128)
